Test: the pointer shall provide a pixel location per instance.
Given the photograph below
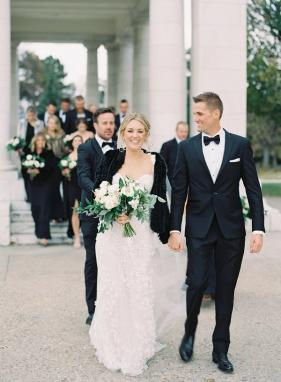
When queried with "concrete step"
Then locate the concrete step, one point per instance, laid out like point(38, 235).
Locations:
point(25, 227)
point(28, 238)
point(22, 226)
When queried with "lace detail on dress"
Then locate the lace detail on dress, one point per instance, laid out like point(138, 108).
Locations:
point(123, 329)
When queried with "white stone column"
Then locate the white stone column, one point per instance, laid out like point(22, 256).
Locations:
point(5, 82)
point(219, 58)
point(15, 93)
point(92, 87)
point(125, 70)
point(140, 79)
point(166, 68)
point(112, 54)
point(7, 175)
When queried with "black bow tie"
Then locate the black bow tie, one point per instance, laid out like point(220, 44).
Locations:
point(208, 140)
point(111, 144)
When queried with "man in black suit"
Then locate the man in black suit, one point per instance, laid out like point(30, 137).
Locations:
point(79, 112)
point(123, 107)
point(209, 167)
point(62, 112)
point(89, 157)
point(169, 149)
point(51, 109)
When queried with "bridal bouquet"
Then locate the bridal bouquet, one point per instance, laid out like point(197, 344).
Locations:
point(67, 164)
point(15, 144)
point(112, 200)
point(33, 162)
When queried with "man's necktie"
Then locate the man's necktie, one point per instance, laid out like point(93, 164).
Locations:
point(111, 144)
point(208, 140)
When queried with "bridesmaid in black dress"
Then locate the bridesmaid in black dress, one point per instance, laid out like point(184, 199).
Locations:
point(55, 134)
point(73, 191)
point(41, 188)
point(27, 128)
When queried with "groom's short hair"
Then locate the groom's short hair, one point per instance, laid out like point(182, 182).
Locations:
point(102, 110)
point(212, 100)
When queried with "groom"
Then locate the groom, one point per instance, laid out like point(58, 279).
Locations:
point(209, 167)
point(89, 157)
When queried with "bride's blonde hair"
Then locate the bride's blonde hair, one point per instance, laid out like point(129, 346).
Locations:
point(134, 117)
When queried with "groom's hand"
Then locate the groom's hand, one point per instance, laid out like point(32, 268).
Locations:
point(175, 241)
point(256, 243)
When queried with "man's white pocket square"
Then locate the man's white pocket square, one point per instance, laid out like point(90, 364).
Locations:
point(234, 160)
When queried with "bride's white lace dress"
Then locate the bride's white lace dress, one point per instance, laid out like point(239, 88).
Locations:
point(123, 330)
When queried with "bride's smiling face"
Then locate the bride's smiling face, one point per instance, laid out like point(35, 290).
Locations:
point(134, 135)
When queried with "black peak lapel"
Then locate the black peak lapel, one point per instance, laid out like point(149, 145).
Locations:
point(96, 146)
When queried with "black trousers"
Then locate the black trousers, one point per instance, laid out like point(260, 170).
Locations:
point(228, 254)
point(89, 231)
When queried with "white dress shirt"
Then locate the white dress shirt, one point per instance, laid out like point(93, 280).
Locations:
point(100, 142)
point(213, 153)
point(62, 115)
point(122, 117)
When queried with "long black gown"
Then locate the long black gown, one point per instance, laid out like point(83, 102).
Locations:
point(26, 178)
point(41, 190)
point(57, 207)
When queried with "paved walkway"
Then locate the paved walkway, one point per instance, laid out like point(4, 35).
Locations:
point(43, 337)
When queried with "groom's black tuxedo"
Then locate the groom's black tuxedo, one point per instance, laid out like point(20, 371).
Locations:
point(221, 199)
point(89, 158)
point(214, 224)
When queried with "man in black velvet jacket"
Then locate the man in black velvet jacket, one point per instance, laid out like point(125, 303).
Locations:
point(89, 158)
point(209, 167)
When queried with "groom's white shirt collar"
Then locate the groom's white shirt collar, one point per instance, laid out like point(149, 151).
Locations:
point(100, 142)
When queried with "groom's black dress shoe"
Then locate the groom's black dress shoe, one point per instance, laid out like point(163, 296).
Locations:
point(89, 319)
point(223, 362)
point(186, 348)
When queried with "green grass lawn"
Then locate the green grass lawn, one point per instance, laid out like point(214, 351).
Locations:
point(271, 189)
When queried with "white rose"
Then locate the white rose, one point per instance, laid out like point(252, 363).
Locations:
point(42, 164)
point(99, 194)
point(29, 157)
point(113, 189)
point(104, 184)
point(16, 141)
point(36, 164)
point(134, 203)
point(72, 164)
point(128, 190)
point(63, 162)
point(110, 202)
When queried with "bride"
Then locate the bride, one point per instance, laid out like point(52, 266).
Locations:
point(123, 329)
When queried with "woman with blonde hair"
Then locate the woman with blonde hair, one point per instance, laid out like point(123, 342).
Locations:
point(123, 329)
point(41, 187)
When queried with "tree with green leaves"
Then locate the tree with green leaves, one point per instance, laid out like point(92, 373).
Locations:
point(264, 80)
point(43, 80)
point(31, 77)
